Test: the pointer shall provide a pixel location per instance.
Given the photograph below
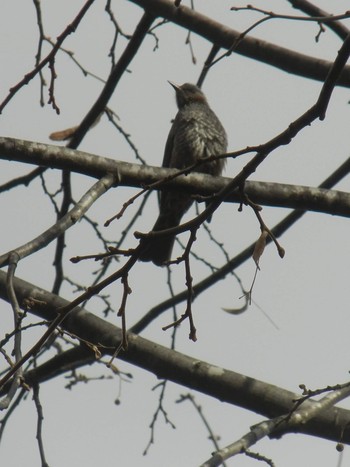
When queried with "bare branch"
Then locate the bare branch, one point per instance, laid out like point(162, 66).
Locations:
point(13, 260)
point(233, 263)
point(223, 36)
point(113, 79)
point(313, 10)
point(23, 180)
point(220, 383)
point(39, 438)
point(269, 194)
point(98, 189)
point(71, 28)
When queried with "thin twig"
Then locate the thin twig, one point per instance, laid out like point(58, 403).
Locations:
point(71, 28)
point(39, 428)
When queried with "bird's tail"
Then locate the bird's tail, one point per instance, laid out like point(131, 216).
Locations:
point(158, 250)
point(173, 206)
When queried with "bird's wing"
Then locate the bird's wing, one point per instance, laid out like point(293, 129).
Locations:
point(168, 149)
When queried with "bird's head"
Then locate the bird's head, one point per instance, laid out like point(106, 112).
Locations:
point(187, 94)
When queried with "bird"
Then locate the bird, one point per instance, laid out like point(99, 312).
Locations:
point(196, 133)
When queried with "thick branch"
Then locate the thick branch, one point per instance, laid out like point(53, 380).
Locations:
point(225, 37)
point(134, 175)
point(225, 385)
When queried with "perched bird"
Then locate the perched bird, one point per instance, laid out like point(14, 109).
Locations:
point(196, 133)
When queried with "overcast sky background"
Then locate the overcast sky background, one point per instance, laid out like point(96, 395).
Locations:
point(306, 294)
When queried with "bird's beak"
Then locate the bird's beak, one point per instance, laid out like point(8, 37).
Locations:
point(175, 86)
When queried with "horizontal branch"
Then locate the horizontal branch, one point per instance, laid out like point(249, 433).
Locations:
point(223, 384)
point(257, 49)
point(135, 175)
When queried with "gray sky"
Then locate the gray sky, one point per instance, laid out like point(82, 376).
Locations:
point(305, 294)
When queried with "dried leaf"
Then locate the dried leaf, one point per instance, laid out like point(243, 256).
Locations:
point(260, 247)
point(64, 134)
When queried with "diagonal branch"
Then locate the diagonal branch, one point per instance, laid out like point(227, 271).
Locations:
point(67, 221)
point(223, 384)
point(222, 35)
point(318, 110)
point(235, 262)
point(113, 79)
point(313, 10)
point(50, 57)
point(89, 120)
